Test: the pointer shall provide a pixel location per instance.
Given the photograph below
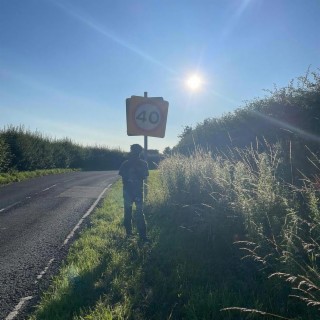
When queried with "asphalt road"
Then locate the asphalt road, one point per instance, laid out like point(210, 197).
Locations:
point(37, 220)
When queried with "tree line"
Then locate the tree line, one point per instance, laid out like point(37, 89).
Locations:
point(23, 150)
point(289, 116)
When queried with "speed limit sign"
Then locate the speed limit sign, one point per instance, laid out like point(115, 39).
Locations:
point(146, 116)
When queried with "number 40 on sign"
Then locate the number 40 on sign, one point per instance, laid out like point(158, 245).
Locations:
point(146, 116)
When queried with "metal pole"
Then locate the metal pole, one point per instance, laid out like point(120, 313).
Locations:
point(145, 156)
point(146, 148)
point(146, 137)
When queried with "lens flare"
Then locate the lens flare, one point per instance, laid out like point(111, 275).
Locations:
point(194, 82)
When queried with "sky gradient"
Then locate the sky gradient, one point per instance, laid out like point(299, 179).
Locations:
point(67, 67)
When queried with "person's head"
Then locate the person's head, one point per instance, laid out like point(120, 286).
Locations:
point(135, 150)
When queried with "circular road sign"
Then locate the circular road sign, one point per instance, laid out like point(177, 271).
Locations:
point(147, 116)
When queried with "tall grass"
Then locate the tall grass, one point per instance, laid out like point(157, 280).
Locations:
point(245, 198)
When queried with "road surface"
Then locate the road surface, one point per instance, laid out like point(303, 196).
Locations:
point(38, 219)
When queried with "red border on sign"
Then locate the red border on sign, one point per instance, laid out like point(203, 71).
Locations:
point(133, 103)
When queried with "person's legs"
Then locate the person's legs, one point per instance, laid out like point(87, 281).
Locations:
point(141, 222)
point(127, 212)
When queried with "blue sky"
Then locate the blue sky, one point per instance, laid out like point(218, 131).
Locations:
point(67, 66)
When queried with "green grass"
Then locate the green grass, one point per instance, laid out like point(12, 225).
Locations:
point(101, 265)
point(178, 275)
point(16, 176)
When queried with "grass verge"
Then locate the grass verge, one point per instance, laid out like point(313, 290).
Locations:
point(177, 275)
point(16, 176)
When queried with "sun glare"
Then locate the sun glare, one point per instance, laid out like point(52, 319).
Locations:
point(194, 82)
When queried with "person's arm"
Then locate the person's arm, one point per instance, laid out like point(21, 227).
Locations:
point(122, 169)
point(120, 173)
point(146, 170)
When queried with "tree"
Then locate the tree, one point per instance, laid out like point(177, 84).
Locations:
point(167, 151)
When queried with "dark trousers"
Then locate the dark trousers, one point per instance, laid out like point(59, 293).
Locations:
point(129, 199)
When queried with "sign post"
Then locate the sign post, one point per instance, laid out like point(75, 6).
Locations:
point(146, 138)
point(146, 116)
point(145, 184)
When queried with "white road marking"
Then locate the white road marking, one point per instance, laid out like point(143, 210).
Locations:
point(43, 272)
point(8, 207)
point(48, 188)
point(17, 308)
point(71, 234)
point(28, 197)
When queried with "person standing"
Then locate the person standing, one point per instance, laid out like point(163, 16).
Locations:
point(133, 171)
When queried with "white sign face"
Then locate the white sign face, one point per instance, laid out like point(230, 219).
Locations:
point(147, 117)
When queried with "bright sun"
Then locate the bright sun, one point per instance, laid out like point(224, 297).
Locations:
point(194, 82)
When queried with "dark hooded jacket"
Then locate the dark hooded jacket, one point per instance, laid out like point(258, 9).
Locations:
point(133, 171)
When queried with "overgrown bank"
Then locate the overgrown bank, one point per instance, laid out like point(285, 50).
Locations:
point(204, 215)
point(244, 202)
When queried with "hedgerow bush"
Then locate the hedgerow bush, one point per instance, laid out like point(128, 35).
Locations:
point(288, 116)
point(23, 150)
